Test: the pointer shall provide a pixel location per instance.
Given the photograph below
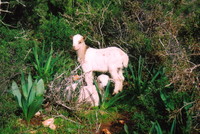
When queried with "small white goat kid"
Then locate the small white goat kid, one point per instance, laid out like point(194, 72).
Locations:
point(102, 81)
point(88, 94)
point(111, 59)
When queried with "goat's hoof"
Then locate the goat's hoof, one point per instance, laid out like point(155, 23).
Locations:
point(114, 93)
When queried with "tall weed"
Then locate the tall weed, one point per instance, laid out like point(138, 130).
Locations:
point(44, 63)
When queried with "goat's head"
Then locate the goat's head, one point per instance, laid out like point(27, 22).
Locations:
point(78, 41)
point(102, 81)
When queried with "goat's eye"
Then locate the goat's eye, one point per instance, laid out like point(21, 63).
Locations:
point(79, 42)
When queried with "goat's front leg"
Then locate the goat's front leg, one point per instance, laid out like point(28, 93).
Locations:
point(118, 81)
point(89, 78)
point(118, 86)
point(120, 72)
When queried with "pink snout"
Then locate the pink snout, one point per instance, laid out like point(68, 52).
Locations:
point(75, 48)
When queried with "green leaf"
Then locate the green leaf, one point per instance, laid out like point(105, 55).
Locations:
point(16, 92)
point(163, 97)
point(158, 128)
point(99, 93)
point(114, 100)
point(40, 88)
point(132, 72)
point(173, 127)
point(155, 129)
point(170, 105)
point(187, 106)
point(24, 86)
point(140, 67)
point(152, 130)
point(34, 107)
point(24, 107)
point(35, 52)
point(126, 129)
point(155, 76)
point(48, 64)
point(36, 67)
point(106, 94)
point(32, 93)
point(30, 83)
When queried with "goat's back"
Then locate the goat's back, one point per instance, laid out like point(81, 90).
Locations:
point(120, 54)
point(125, 59)
point(105, 59)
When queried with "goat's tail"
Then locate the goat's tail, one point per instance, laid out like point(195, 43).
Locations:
point(125, 60)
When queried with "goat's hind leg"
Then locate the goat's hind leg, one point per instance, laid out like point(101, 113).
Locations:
point(121, 77)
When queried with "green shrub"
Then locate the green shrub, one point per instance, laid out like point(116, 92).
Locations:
point(165, 33)
point(143, 91)
point(65, 64)
point(8, 109)
point(14, 50)
point(57, 32)
point(155, 100)
point(30, 97)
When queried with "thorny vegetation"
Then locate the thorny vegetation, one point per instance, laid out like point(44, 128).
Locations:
point(161, 83)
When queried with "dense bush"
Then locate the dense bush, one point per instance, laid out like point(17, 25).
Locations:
point(56, 32)
point(8, 108)
point(14, 50)
point(163, 83)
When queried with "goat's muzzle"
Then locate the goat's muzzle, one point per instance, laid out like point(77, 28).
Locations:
point(75, 48)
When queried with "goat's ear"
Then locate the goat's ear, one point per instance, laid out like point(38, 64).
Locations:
point(84, 37)
point(71, 37)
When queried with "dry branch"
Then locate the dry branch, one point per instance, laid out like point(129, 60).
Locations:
point(5, 11)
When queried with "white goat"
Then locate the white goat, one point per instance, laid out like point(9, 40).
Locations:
point(111, 59)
